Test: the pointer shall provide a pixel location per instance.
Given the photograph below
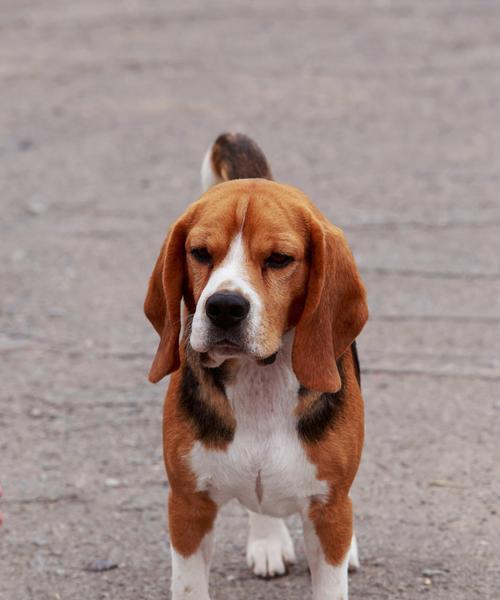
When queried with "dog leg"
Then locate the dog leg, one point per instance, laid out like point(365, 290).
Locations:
point(191, 522)
point(269, 547)
point(328, 539)
point(190, 574)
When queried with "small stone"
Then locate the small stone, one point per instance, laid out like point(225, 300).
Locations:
point(112, 482)
point(378, 562)
point(25, 144)
point(35, 208)
point(18, 255)
point(428, 581)
point(433, 572)
point(100, 565)
point(36, 413)
point(443, 483)
point(55, 312)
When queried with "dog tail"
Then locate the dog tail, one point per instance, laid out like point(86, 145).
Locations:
point(233, 156)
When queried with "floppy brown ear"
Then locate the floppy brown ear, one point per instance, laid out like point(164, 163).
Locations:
point(163, 301)
point(335, 310)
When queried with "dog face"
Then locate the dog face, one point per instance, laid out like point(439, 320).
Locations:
point(249, 272)
point(253, 259)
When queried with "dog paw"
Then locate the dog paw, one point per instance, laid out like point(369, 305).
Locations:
point(269, 558)
point(271, 555)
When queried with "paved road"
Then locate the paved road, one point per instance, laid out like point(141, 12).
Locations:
point(387, 114)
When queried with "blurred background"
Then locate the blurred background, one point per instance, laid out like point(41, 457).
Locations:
point(386, 113)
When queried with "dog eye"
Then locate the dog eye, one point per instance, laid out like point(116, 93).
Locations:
point(277, 260)
point(202, 255)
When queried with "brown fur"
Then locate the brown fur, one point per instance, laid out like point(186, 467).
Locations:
point(320, 294)
point(191, 514)
point(212, 395)
point(328, 317)
point(236, 156)
point(337, 458)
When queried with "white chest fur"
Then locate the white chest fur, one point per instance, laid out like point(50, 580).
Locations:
point(265, 467)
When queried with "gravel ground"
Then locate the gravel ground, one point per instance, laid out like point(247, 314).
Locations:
point(388, 115)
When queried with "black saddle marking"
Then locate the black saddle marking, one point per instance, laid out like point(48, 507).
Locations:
point(210, 425)
point(327, 408)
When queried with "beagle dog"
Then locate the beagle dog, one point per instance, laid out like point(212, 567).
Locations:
point(264, 402)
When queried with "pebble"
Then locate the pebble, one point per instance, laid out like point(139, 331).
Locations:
point(35, 208)
point(378, 562)
point(100, 565)
point(54, 312)
point(433, 572)
point(25, 144)
point(112, 482)
point(18, 255)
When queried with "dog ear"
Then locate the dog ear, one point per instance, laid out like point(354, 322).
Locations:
point(335, 310)
point(163, 301)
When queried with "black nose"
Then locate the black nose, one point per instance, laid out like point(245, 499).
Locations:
point(226, 309)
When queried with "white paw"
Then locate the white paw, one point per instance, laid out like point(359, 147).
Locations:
point(354, 555)
point(270, 556)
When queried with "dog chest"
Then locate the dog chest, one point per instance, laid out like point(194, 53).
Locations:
point(265, 466)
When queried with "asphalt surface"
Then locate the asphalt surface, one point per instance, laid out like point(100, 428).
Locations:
point(388, 115)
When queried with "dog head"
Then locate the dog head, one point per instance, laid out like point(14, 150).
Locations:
point(253, 259)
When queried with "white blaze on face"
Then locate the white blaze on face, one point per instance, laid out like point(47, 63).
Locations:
point(231, 276)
